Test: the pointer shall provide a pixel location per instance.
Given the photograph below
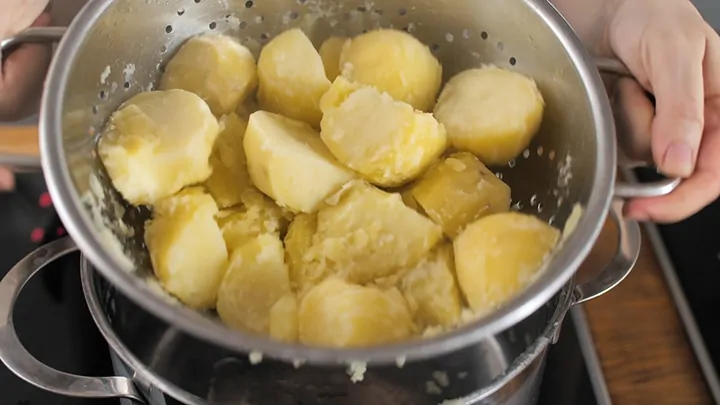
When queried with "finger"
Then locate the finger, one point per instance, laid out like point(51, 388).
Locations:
point(675, 63)
point(22, 77)
point(634, 115)
point(701, 189)
point(7, 179)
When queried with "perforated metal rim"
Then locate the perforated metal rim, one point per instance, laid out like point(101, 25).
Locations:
point(566, 262)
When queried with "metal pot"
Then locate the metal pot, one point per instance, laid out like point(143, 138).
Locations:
point(116, 48)
point(160, 364)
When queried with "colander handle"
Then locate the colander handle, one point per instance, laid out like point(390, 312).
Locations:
point(11, 155)
point(626, 190)
point(14, 355)
point(628, 251)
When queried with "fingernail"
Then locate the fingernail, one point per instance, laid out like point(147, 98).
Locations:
point(678, 160)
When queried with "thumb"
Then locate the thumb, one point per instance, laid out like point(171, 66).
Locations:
point(676, 76)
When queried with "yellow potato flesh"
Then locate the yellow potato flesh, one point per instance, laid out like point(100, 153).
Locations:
point(284, 319)
point(330, 54)
point(395, 62)
point(288, 162)
point(186, 247)
point(384, 140)
point(156, 143)
point(256, 279)
point(230, 177)
point(256, 216)
point(431, 289)
point(298, 242)
point(499, 255)
point(365, 235)
point(216, 68)
point(491, 112)
point(338, 314)
point(459, 190)
point(292, 77)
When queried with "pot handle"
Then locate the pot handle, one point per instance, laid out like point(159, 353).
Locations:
point(627, 190)
point(628, 251)
point(19, 361)
point(9, 157)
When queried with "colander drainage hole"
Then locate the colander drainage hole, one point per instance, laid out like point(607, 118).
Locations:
point(94, 110)
point(243, 24)
point(213, 25)
point(198, 1)
point(434, 47)
point(102, 95)
point(163, 49)
point(181, 11)
point(168, 29)
point(126, 85)
point(513, 61)
point(484, 35)
point(402, 11)
point(249, 4)
point(500, 46)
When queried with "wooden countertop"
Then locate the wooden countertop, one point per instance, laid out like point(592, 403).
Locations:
point(645, 355)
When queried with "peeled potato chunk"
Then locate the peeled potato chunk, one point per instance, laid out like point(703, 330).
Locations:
point(288, 162)
point(330, 53)
point(298, 241)
point(216, 68)
point(257, 215)
point(256, 279)
point(156, 143)
point(499, 255)
point(431, 289)
point(186, 247)
point(384, 140)
point(229, 178)
point(459, 190)
point(339, 314)
point(395, 62)
point(284, 319)
point(491, 112)
point(363, 234)
point(292, 77)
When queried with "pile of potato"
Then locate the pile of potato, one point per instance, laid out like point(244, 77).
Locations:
point(330, 197)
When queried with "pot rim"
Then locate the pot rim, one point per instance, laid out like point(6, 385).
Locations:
point(145, 375)
point(566, 261)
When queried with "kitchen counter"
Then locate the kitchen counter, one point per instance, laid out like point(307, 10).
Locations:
point(645, 355)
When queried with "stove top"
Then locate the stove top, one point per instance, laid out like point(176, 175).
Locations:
point(53, 321)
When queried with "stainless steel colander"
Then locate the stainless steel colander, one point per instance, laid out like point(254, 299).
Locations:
point(117, 48)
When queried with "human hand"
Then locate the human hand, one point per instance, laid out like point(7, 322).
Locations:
point(675, 55)
point(23, 70)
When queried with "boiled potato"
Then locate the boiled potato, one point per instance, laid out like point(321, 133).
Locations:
point(339, 314)
point(491, 112)
point(363, 234)
point(257, 215)
point(292, 77)
point(298, 241)
point(459, 190)
point(156, 143)
point(284, 319)
point(499, 255)
point(256, 279)
point(330, 54)
point(186, 247)
point(394, 62)
point(216, 68)
point(288, 162)
point(431, 289)
point(384, 140)
point(229, 178)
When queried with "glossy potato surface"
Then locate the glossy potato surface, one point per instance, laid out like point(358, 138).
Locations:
point(384, 140)
point(498, 255)
point(394, 62)
point(490, 112)
point(292, 77)
point(215, 67)
point(186, 247)
point(459, 190)
point(156, 143)
point(339, 314)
